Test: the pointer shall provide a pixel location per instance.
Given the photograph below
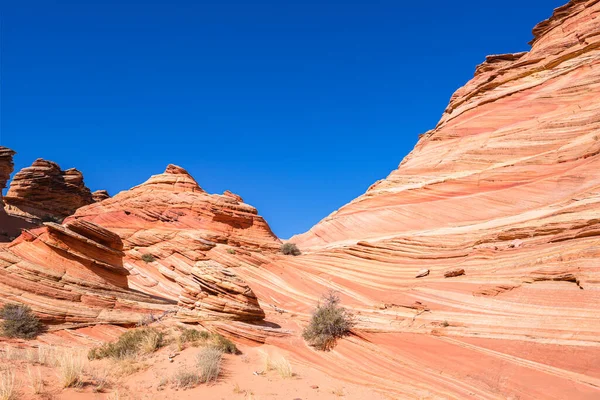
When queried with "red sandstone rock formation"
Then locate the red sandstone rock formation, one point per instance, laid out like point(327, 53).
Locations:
point(9, 226)
point(73, 275)
point(163, 246)
point(506, 188)
point(100, 195)
point(185, 244)
point(44, 192)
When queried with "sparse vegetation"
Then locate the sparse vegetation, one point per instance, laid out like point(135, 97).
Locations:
point(290, 249)
point(224, 345)
point(8, 385)
point(193, 335)
point(146, 320)
point(19, 322)
point(70, 369)
point(148, 258)
point(279, 364)
point(231, 251)
point(209, 364)
point(329, 322)
point(185, 379)
point(130, 344)
point(445, 324)
point(35, 380)
point(100, 377)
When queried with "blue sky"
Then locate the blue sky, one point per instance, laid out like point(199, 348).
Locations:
point(297, 106)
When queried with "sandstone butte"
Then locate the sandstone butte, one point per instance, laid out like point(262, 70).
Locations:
point(499, 203)
point(44, 192)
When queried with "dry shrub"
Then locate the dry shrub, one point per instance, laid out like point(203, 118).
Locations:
point(329, 322)
point(19, 322)
point(290, 249)
point(185, 379)
point(209, 363)
point(129, 345)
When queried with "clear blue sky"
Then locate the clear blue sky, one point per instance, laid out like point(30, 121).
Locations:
point(296, 106)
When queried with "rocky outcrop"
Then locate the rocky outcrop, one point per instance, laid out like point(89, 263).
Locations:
point(163, 246)
point(73, 275)
point(10, 227)
point(44, 192)
point(506, 188)
point(100, 195)
point(185, 244)
point(6, 167)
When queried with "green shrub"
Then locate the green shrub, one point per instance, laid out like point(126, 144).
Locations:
point(129, 345)
point(224, 345)
point(19, 322)
point(329, 322)
point(192, 336)
point(231, 251)
point(290, 249)
point(148, 258)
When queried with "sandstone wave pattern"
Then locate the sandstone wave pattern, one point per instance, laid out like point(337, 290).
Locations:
point(501, 204)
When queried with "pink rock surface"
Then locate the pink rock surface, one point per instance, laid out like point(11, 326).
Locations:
point(505, 187)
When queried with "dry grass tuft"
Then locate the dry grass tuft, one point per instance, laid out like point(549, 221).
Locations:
point(209, 363)
point(8, 385)
point(185, 379)
point(279, 364)
point(36, 383)
point(70, 368)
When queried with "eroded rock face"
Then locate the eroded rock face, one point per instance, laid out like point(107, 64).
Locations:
point(6, 167)
point(10, 227)
point(44, 192)
point(100, 195)
point(506, 187)
point(185, 244)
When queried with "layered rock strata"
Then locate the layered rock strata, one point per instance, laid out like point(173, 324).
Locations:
point(45, 193)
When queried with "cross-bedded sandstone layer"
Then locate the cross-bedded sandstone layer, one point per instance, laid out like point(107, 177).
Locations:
point(506, 188)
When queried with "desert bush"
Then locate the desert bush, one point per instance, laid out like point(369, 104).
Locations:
point(19, 321)
point(185, 379)
point(290, 249)
point(8, 385)
point(148, 258)
point(130, 344)
point(231, 251)
point(223, 344)
point(192, 336)
point(209, 364)
point(329, 322)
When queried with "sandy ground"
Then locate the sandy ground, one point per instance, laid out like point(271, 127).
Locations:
point(243, 376)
